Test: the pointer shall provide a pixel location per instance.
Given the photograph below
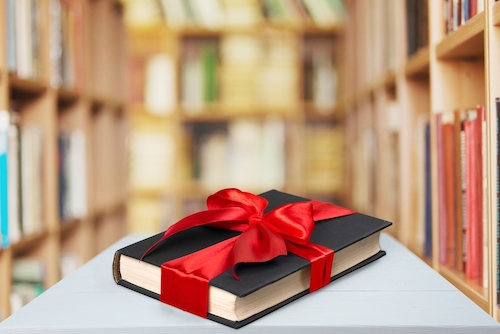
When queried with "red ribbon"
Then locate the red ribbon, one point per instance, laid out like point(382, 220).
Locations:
point(185, 280)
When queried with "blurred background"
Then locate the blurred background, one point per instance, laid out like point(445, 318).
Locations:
point(121, 117)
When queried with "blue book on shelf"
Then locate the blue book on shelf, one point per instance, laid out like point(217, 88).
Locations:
point(4, 197)
point(428, 193)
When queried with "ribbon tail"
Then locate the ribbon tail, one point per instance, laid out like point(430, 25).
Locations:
point(321, 259)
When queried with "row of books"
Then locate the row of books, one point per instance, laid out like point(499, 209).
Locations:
point(253, 72)
point(24, 58)
point(247, 154)
point(20, 171)
point(214, 14)
point(458, 12)
point(23, 21)
point(461, 149)
point(72, 175)
point(66, 43)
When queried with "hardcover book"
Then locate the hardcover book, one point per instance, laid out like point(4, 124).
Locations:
point(248, 291)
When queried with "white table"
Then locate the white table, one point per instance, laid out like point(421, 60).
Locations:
point(398, 293)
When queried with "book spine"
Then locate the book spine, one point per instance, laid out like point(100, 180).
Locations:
point(13, 180)
point(428, 193)
point(4, 192)
point(449, 189)
point(458, 190)
point(497, 102)
point(441, 192)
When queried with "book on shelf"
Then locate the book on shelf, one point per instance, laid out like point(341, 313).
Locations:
point(159, 84)
point(72, 175)
point(497, 103)
point(69, 262)
point(262, 287)
point(14, 181)
point(462, 187)
point(428, 193)
point(151, 160)
point(320, 73)
point(323, 159)
point(199, 68)
point(31, 179)
point(417, 25)
point(4, 187)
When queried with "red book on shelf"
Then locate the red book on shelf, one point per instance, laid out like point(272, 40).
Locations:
point(449, 188)
point(458, 157)
point(441, 192)
point(472, 127)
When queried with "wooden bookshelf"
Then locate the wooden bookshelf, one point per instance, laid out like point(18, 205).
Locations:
point(92, 103)
point(166, 201)
point(455, 70)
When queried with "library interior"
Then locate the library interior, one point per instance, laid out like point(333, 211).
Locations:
point(120, 117)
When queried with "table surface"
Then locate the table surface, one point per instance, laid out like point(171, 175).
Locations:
point(398, 293)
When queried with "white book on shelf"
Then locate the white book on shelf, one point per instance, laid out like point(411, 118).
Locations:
point(77, 175)
point(14, 183)
point(23, 38)
point(174, 12)
point(159, 91)
point(31, 180)
point(192, 85)
point(214, 161)
point(208, 13)
point(245, 153)
point(273, 153)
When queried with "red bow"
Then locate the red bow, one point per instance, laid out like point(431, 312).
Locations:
point(264, 236)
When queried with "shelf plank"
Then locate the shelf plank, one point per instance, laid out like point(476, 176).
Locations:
point(496, 13)
point(465, 42)
point(471, 289)
point(67, 96)
point(29, 242)
point(418, 65)
point(26, 86)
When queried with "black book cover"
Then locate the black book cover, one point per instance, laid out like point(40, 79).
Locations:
point(336, 234)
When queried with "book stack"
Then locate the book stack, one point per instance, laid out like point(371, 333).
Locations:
point(27, 282)
point(461, 192)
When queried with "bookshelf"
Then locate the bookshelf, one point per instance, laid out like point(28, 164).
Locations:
point(61, 77)
point(414, 98)
point(258, 71)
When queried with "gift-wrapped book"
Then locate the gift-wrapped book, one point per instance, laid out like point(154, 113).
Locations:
point(247, 255)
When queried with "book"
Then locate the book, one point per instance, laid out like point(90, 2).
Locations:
point(14, 181)
point(4, 189)
point(497, 102)
point(263, 287)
